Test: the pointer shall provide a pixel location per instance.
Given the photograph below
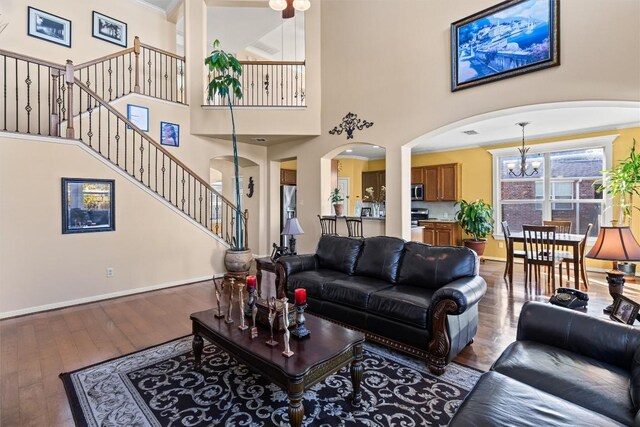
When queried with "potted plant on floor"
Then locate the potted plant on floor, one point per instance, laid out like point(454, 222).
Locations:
point(476, 219)
point(336, 200)
point(225, 69)
point(623, 183)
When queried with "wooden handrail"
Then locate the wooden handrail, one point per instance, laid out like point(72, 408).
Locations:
point(164, 52)
point(32, 59)
point(272, 62)
point(144, 135)
point(104, 58)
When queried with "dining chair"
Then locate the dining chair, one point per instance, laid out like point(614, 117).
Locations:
point(540, 251)
point(511, 252)
point(328, 224)
point(568, 257)
point(354, 226)
point(561, 226)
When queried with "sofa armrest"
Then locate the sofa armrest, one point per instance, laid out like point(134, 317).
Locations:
point(600, 339)
point(292, 264)
point(465, 292)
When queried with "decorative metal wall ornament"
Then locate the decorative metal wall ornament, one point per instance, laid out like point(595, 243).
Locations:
point(251, 185)
point(350, 122)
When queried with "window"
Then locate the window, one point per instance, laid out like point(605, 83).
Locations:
point(563, 189)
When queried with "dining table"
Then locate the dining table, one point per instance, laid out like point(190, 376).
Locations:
point(562, 239)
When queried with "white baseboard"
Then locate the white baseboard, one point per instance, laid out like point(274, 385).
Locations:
point(63, 304)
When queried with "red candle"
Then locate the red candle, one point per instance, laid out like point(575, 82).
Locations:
point(251, 282)
point(301, 296)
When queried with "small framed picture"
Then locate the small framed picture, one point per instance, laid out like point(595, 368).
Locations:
point(624, 310)
point(139, 116)
point(169, 134)
point(49, 27)
point(109, 29)
point(88, 205)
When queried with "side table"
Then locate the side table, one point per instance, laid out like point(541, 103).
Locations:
point(265, 264)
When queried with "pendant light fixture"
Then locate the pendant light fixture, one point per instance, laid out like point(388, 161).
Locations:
point(523, 172)
point(289, 7)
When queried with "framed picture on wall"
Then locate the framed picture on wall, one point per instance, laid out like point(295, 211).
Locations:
point(169, 134)
point(88, 205)
point(511, 38)
point(49, 27)
point(139, 116)
point(109, 29)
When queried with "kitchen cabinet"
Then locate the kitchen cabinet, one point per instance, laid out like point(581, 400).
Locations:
point(375, 179)
point(287, 177)
point(417, 175)
point(442, 183)
point(417, 234)
point(445, 233)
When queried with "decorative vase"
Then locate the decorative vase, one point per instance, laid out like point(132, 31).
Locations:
point(628, 268)
point(476, 245)
point(238, 261)
point(376, 210)
point(338, 208)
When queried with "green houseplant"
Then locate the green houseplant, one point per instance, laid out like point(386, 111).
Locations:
point(476, 219)
point(336, 199)
point(225, 69)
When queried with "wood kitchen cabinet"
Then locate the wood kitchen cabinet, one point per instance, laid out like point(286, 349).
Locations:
point(442, 183)
point(287, 177)
point(417, 175)
point(375, 179)
point(444, 233)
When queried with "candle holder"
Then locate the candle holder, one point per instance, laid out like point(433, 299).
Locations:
point(216, 286)
point(287, 335)
point(228, 319)
point(248, 310)
point(254, 329)
point(272, 318)
point(300, 330)
point(242, 326)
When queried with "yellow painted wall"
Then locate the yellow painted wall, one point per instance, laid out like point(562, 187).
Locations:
point(289, 164)
point(477, 178)
point(352, 169)
point(376, 165)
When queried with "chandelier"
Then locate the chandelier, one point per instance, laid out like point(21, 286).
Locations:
point(535, 165)
point(289, 7)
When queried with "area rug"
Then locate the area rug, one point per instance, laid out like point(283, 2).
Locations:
point(158, 387)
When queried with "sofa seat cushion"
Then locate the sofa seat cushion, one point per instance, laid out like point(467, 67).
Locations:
point(353, 290)
point(498, 400)
point(407, 304)
point(380, 258)
point(313, 280)
point(579, 379)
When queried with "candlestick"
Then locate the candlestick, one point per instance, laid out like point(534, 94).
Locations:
point(219, 314)
point(242, 325)
point(229, 320)
point(254, 329)
point(300, 330)
point(300, 296)
point(285, 321)
point(250, 301)
point(272, 318)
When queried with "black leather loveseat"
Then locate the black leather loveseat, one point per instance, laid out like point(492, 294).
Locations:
point(565, 369)
point(418, 298)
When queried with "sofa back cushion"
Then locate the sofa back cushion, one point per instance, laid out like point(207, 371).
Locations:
point(434, 266)
point(338, 253)
point(380, 258)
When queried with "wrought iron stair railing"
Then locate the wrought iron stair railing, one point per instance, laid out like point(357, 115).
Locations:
point(44, 98)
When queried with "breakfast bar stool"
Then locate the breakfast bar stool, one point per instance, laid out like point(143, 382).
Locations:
point(328, 225)
point(354, 226)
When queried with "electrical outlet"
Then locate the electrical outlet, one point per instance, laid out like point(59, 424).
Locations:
point(109, 272)
point(500, 245)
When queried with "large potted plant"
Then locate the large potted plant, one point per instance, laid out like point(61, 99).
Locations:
point(622, 183)
point(476, 219)
point(225, 69)
point(336, 200)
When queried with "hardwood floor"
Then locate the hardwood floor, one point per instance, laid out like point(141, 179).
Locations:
point(34, 349)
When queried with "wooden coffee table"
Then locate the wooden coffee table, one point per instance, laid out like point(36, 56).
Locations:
point(329, 348)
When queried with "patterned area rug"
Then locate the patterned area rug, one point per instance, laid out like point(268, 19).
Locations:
point(158, 387)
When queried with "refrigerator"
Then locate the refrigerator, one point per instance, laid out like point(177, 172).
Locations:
point(287, 208)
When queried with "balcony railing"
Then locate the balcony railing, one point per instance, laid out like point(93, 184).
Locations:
point(269, 84)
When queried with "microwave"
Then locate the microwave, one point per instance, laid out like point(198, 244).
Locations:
point(417, 191)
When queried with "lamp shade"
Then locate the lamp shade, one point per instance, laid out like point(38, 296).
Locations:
point(278, 4)
point(615, 244)
point(292, 228)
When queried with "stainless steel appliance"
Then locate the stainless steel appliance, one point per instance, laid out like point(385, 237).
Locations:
point(417, 191)
point(419, 215)
point(287, 208)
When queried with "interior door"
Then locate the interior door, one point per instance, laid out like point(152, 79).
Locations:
point(343, 185)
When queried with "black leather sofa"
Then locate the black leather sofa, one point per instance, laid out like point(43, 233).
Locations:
point(417, 298)
point(565, 369)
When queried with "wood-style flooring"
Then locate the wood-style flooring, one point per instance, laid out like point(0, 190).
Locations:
point(34, 349)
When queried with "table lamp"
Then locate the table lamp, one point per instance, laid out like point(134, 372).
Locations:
point(615, 244)
point(292, 228)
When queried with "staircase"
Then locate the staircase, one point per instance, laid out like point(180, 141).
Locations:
point(48, 99)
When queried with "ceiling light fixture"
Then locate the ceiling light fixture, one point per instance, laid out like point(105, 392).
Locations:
point(289, 7)
point(535, 165)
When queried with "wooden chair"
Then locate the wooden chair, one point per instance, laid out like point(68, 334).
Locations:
point(509, 245)
point(561, 226)
point(328, 224)
point(354, 226)
point(568, 258)
point(540, 251)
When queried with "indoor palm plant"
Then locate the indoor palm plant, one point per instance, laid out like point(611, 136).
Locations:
point(476, 219)
point(225, 69)
point(336, 200)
